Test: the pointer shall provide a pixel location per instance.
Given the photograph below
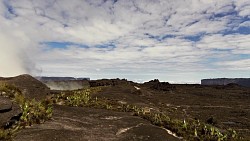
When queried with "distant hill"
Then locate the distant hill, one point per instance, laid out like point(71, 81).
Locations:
point(36, 89)
point(225, 81)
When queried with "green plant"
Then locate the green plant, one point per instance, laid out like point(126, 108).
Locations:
point(32, 111)
point(76, 98)
point(189, 129)
point(35, 112)
point(4, 134)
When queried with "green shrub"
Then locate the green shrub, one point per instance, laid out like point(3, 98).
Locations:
point(34, 112)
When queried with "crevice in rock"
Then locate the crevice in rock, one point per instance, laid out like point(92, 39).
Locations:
point(12, 121)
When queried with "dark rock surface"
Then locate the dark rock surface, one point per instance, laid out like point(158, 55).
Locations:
point(157, 85)
point(229, 108)
point(77, 123)
point(108, 82)
point(5, 104)
point(30, 87)
point(8, 111)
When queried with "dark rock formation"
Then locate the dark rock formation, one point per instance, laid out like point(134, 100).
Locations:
point(108, 82)
point(225, 81)
point(8, 111)
point(30, 87)
point(87, 124)
point(157, 85)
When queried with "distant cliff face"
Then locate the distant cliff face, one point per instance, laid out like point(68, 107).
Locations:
point(224, 81)
point(64, 83)
point(71, 83)
point(67, 84)
point(43, 78)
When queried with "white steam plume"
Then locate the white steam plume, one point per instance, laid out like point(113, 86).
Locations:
point(13, 58)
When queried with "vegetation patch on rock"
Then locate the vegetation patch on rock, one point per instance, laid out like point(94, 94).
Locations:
point(189, 129)
point(32, 111)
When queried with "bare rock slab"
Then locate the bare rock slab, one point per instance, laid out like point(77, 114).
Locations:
point(87, 124)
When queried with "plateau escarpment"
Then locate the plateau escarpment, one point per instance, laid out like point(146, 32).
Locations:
point(245, 82)
point(65, 83)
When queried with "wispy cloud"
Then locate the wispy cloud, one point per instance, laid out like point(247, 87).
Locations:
point(165, 39)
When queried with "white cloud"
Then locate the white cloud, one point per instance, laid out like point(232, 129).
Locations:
point(148, 37)
point(13, 58)
point(245, 24)
point(243, 7)
point(243, 64)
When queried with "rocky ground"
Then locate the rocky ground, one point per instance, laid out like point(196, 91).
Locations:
point(77, 123)
point(222, 107)
point(8, 111)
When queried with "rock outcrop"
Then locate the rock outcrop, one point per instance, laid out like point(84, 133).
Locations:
point(8, 112)
point(108, 82)
point(157, 85)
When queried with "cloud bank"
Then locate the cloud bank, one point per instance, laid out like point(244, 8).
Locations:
point(178, 41)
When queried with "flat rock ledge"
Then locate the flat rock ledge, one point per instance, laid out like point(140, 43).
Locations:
point(87, 124)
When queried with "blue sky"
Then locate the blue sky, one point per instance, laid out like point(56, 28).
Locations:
point(177, 41)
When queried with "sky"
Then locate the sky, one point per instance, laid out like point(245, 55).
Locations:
point(179, 41)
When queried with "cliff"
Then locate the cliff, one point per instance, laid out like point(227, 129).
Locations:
point(225, 81)
point(64, 83)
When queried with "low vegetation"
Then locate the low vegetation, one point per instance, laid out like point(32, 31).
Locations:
point(33, 112)
point(189, 129)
